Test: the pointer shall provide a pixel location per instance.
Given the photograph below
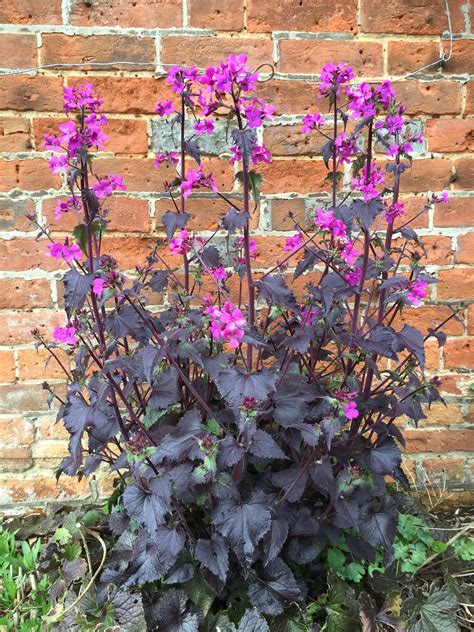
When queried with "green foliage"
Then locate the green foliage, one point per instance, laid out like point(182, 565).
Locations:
point(464, 549)
point(24, 595)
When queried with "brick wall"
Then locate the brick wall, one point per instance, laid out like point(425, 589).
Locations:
point(380, 39)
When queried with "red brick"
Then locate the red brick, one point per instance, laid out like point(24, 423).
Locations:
point(28, 175)
point(7, 368)
point(433, 174)
point(416, 213)
point(440, 414)
point(459, 353)
point(139, 13)
point(38, 364)
point(14, 134)
point(464, 169)
point(439, 250)
point(470, 320)
point(38, 94)
point(292, 97)
point(308, 56)
point(301, 176)
point(204, 51)
point(461, 58)
point(425, 97)
point(455, 384)
point(48, 428)
point(15, 327)
point(288, 140)
point(18, 51)
point(125, 136)
point(458, 212)
point(219, 15)
point(450, 134)
point(280, 210)
point(27, 12)
point(465, 251)
point(23, 293)
point(205, 213)
point(15, 459)
point(22, 397)
point(469, 98)
point(422, 17)
point(65, 49)
point(428, 316)
point(13, 214)
point(16, 431)
point(129, 251)
point(425, 440)
point(42, 487)
point(404, 58)
point(305, 15)
point(432, 356)
point(49, 453)
point(456, 284)
point(23, 254)
point(141, 175)
point(446, 472)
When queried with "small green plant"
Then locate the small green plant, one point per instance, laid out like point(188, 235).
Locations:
point(24, 596)
point(464, 549)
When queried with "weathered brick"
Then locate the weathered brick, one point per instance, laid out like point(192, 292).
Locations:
point(49, 453)
point(125, 135)
point(15, 459)
point(456, 284)
point(428, 316)
point(7, 367)
point(445, 472)
point(292, 97)
point(48, 428)
point(439, 414)
point(280, 210)
point(128, 95)
point(288, 140)
point(27, 175)
point(461, 58)
point(424, 440)
point(23, 254)
point(439, 250)
point(403, 58)
point(13, 214)
point(25, 293)
point(64, 49)
point(39, 94)
point(469, 98)
point(17, 398)
point(464, 170)
point(300, 176)
point(140, 13)
point(429, 97)
point(221, 15)
point(305, 15)
point(433, 174)
point(18, 50)
point(27, 12)
point(41, 487)
point(423, 17)
point(164, 138)
point(38, 364)
point(308, 56)
point(205, 212)
point(15, 327)
point(204, 51)
point(465, 251)
point(16, 431)
point(14, 134)
point(459, 353)
point(458, 212)
point(450, 134)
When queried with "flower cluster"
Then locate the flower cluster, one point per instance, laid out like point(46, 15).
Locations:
point(65, 335)
point(227, 323)
point(196, 179)
point(68, 251)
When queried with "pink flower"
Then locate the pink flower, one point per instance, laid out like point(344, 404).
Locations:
point(163, 108)
point(66, 335)
point(260, 154)
point(82, 96)
point(236, 154)
point(256, 111)
point(171, 156)
point(350, 410)
point(395, 210)
point(293, 243)
point(440, 197)
point(350, 253)
point(309, 315)
point(58, 163)
point(227, 323)
point(345, 146)
point(353, 277)
point(197, 179)
point(64, 251)
point(180, 244)
point(66, 206)
point(416, 292)
point(367, 185)
point(326, 221)
point(98, 287)
point(311, 122)
point(206, 126)
point(332, 76)
point(105, 187)
point(218, 274)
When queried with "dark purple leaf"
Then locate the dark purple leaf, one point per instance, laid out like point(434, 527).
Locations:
point(384, 457)
point(229, 453)
point(166, 389)
point(382, 341)
point(378, 522)
point(170, 614)
point(292, 478)
point(323, 477)
point(153, 557)
point(359, 549)
point(411, 338)
point(327, 152)
point(252, 622)
point(347, 513)
point(211, 257)
point(330, 427)
point(300, 339)
point(275, 539)
point(274, 290)
point(439, 335)
point(152, 357)
point(304, 550)
point(234, 384)
point(126, 322)
point(365, 212)
point(74, 569)
point(245, 140)
point(159, 280)
point(291, 401)
point(172, 220)
point(306, 263)
point(264, 446)
point(277, 591)
point(243, 525)
point(193, 150)
point(149, 507)
point(234, 220)
point(128, 610)
point(76, 287)
point(214, 555)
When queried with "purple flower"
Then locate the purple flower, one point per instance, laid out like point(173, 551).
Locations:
point(66, 335)
point(350, 410)
point(292, 244)
point(311, 122)
point(180, 244)
point(66, 206)
point(196, 179)
point(64, 251)
point(260, 154)
point(206, 126)
point(105, 187)
point(345, 146)
point(163, 108)
point(353, 277)
point(171, 156)
point(236, 154)
point(417, 292)
point(58, 163)
point(218, 274)
point(333, 76)
point(350, 253)
point(440, 197)
point(98, 287)
point(395, 210)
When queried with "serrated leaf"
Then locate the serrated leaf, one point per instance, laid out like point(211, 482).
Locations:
point(274, 290)
point(129, 611)
point(276, 591)
point(234, 384)
point(234, 220)
point(384, 457)
point(172, 220)
point(214, 555)
point(264, 446)
point(76, 287)
point(253, 622)
point(437, 614)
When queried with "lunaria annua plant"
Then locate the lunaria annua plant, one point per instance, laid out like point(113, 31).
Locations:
point(248, 428)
